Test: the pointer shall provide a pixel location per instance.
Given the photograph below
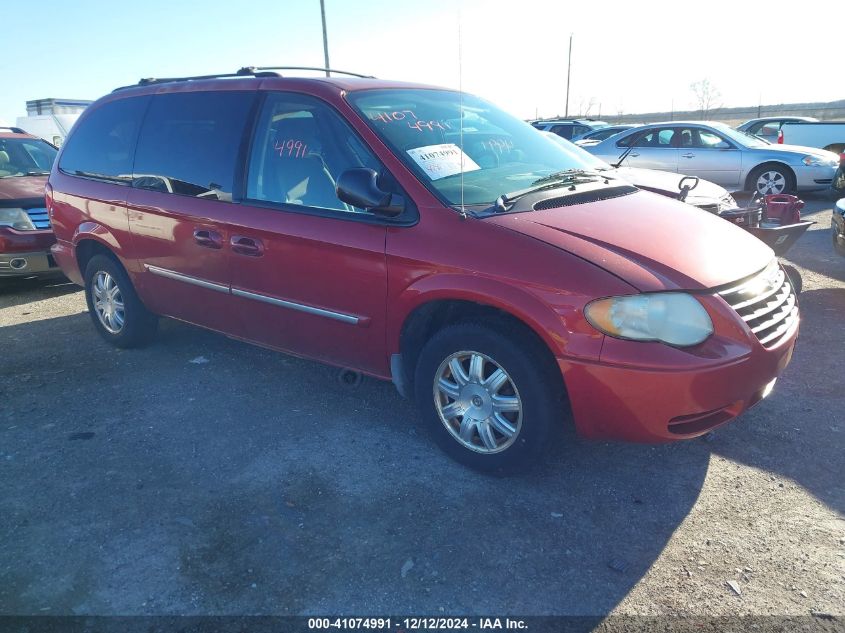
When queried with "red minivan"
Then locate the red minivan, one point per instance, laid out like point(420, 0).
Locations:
point(423, 236)
point(25, 235)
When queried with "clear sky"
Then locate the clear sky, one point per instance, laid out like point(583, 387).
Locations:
point(627, 56)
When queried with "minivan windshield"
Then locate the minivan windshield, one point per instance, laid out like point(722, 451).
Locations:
point(499, 153)
point(25, 157)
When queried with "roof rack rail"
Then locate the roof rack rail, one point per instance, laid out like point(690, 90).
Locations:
point(253, 69)
point(246, 71)
point(13, 130)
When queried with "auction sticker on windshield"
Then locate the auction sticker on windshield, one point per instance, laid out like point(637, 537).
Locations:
point(440, 161)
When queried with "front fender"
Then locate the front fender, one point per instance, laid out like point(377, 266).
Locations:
point(555, 316)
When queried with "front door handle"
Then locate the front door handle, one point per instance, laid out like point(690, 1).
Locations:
point(208, 238)
point(249, 246)
point(688, 155)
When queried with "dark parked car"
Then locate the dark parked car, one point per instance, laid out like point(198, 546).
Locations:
point(768, 128)
point(25, 235)
point(416, 234)
point(568, 128)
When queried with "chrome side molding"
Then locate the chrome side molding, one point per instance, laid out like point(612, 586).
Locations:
point(301, 307)
point(282, 303)
point(194, 281)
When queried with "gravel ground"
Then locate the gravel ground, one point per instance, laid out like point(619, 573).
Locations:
point(154, 482)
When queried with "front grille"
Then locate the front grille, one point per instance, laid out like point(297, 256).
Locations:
point(39, 218)
point(767, 303)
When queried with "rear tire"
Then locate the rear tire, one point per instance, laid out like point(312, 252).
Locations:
point(488, 396)
point(116, 311)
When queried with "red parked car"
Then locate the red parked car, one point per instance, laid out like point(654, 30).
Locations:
point(488, 273)
point(25, 235)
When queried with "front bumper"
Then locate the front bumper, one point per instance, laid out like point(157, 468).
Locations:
point(27, 264)
point(815, 177)
point(649, 392)
point(26, 253)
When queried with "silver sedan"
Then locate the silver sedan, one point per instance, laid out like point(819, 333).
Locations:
point(720, 154)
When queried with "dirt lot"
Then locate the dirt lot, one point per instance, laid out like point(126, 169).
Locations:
point(151, 482)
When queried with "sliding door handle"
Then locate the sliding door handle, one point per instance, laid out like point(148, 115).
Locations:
point(208, 238)
point(249, 246)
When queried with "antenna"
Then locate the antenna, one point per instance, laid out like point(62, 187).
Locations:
point(461, 109)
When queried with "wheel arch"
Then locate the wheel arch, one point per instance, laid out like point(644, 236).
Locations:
point(506, 307)
point(749, 180)
point(91, 239)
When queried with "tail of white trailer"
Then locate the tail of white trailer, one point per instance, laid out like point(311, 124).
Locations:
point(53, 128)
point(829, 135)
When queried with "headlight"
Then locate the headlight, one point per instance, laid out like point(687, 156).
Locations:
point(675, 318)
point(17, 219)
point(816, 161)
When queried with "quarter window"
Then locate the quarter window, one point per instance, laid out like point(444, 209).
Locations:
point(301, 147)
point(189, 143)
point(103, 143)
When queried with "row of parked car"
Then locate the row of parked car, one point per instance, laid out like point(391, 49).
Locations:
point(505, 279)
point(732, 158)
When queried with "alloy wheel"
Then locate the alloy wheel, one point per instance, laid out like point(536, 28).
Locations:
point(770, 182)
point(478, 402)
point(108, 302)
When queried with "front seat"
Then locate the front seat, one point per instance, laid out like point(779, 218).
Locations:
point(6, 168)
point(299, 176)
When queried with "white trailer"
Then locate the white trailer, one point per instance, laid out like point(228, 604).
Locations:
point(53, 128)
point(51, 119)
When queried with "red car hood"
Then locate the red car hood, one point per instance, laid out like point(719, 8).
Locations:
point(650, 241)
point(22, 187)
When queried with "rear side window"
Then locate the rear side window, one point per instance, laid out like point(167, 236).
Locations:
point(189, 143)
point(563, 130)
point(103, 143)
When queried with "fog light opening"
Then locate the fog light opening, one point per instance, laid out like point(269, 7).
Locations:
point(18, 263)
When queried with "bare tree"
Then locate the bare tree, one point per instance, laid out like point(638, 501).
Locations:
point(707, 96)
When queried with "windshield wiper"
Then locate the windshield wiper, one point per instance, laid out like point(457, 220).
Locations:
point(568, 177)
point(37, 173)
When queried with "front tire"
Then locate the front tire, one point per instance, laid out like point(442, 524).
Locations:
point(116, 311)
point(489, 396)
point(771, 179)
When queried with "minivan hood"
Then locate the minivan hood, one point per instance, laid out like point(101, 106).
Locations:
point(650, 241)
point(22, 187)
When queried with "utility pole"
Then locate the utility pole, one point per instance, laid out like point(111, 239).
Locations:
point(759, 104)
point(325, 36)
point(568, 70)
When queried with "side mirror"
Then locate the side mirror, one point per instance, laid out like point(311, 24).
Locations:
point(722, 145)
point(359, 187)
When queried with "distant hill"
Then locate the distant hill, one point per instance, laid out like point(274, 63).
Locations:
point(825, 111)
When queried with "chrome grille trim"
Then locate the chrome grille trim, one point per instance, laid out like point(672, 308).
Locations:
point(39, 217)
point(766, 303)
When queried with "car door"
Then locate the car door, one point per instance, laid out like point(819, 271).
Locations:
point(706, 154)
point(180, 206)
point(653, 149)
point(308, 271)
